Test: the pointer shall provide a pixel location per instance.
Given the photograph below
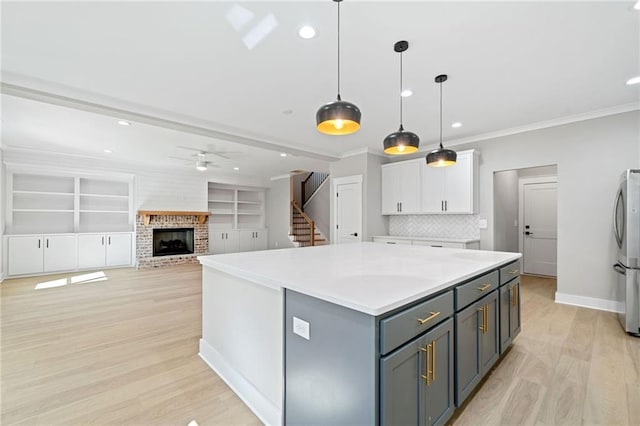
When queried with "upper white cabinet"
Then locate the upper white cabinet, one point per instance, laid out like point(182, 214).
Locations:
point(401, 187)
point(453, 189)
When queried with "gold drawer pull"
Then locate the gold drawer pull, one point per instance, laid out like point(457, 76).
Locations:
point(513, 272)
point(484, 287)
point(430, 317)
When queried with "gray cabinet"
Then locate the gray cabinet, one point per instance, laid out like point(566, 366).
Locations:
point(476, 343)
point(509, 313)
point(421, 372)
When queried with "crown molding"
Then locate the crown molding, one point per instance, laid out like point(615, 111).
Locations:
point(618, 109)
point(360, 151)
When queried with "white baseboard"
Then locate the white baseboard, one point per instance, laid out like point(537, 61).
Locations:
point(589, 302)
point(268, 413)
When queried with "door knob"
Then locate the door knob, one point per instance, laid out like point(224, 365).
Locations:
point(355, 234)
point(528, 233)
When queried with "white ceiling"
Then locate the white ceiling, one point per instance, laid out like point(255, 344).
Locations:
point(182, 75)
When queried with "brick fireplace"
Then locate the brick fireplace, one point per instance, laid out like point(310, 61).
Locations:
point(147, 221)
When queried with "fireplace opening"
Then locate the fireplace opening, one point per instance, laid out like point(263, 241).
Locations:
point(168, 241)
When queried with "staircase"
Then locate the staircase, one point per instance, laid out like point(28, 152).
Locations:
point(301, 226)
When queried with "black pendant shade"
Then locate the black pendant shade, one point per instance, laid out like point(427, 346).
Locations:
point(338, 117)
point(441, 157)
point(401, 142)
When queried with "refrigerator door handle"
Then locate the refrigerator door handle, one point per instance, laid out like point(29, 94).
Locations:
point(618, 232)
point(620, 269)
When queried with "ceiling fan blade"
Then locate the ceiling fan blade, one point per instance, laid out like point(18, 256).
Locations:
point(182, 159)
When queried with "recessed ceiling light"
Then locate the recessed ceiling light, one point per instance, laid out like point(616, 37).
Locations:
point(456, 124)
point(107, 151)
point(236, 168)
point(406, 93)
point(124, 123)
point(634, 80)
point(307, 32)
point(637, 5)
point(283, 154)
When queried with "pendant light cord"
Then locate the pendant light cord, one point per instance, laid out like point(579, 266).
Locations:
point(440, 115)
point(339, 51)
point(401, 124)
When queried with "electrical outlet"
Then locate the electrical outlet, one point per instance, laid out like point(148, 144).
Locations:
point(301, 328)
point(483, 224)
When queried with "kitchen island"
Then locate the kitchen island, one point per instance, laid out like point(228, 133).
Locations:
point(314, 327)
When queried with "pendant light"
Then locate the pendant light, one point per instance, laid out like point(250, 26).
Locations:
point(401, 142)
point(338, 117)
point(441, 157)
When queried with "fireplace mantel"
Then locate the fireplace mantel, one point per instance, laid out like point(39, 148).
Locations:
point(146, 215)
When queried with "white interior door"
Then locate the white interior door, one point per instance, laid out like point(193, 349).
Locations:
point(348, 212)
point(540, 228)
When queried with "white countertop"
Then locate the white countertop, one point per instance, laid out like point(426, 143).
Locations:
point(368, 277)
point(444, 240)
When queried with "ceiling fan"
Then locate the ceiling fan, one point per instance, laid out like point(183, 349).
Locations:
point(201, 161)
point(211, 151)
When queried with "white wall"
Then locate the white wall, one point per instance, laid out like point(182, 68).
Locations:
point(278, 210)
point(318, 209)
point(367, 165)
point(590, 156)
point(3, 205)
point(505, 190)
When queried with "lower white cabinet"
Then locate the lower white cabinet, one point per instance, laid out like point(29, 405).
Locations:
point(223, 241)
point(251, 240)
point(100, 250)
point(33, 254)
point(446, 243)
point(235, 240)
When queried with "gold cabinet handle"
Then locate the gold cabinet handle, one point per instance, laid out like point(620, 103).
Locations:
point(485, 319)
point(482, 326)
point(484, 287)
point(433, 361)
point(513, 272)
point(430, 317)
point(427, 371)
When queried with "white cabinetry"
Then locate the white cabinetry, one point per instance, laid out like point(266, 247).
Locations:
point(237, 218)
point(69, 205)
point(435, 242)
point(100, 250)
point(223, 240)
point(33, 254)
point(451, 189)
point(401, 187)
point(251, 240)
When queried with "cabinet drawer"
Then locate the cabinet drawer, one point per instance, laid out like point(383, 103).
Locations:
point(391, 241)
point(474, 290)
point(403, 326)
point(434, 243)
point(509, 272)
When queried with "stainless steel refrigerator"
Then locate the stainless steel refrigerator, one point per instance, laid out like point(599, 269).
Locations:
point(626, 228)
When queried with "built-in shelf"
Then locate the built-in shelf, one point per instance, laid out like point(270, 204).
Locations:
point(67, 203)
point(235, 207)
point(146, 215)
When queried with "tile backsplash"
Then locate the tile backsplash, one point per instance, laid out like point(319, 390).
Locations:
point(435, 225)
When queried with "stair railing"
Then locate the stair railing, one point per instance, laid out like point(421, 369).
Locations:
point(311, 223)
point(310, 185)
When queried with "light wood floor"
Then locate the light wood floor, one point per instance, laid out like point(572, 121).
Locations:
point(124, 351)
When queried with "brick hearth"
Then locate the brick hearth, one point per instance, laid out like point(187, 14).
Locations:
point(144, 240)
